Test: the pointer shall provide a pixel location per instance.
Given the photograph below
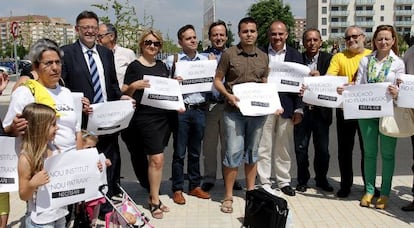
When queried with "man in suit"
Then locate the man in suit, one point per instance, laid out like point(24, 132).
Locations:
point(277, 139)
point(77, 77)
point(316, 120)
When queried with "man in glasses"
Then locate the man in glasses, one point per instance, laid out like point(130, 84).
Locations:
point(191, 123)
point(108, 37)
point(346, 64)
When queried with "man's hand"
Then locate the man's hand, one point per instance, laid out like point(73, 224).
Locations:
point(86, 108)
point(279, 111)
point(314, 73)
point(232, 100)
point(126, 97)
point(296, 118)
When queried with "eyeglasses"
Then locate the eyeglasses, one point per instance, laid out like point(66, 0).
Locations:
point(51, 62)
point(150, 42)
point(101, 36)
point(347, 38)
point(88, 27)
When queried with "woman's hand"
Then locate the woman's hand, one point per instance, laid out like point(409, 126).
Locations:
point(393, 90)
point(86, 108)
point(140, 84)
point(302, 90)
point(4, 80)
point(279, 111)
point(18, 126)
point(39, 179)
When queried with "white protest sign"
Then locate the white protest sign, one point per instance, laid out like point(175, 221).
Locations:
point(257, 99)
point(74, 176)
point(9, 178)
point(367, 101)
point(164, 93)
point(406, 93)
point(102, 180)
point(288, 76)
point(321, 91)
point(110, 117)
point(77, 105)
point(197, 75)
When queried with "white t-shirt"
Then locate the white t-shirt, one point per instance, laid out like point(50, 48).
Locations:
point(68, 125)
point(123, 57)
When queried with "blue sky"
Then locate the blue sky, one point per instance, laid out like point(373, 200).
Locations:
point(169, 15)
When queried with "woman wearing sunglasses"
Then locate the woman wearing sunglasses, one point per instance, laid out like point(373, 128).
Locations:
point(382, 65)
point(150, 128)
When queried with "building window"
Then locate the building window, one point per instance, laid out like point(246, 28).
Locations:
point(368, 30)
point(358, 8)
point(324, 1)
point(324, 10)
point(382, 7)
point(324, 21)
point(334, 30)
point(369, 8)
point(382, 18)
point(323, 32)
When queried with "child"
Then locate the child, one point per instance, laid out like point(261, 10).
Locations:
point(37, 145)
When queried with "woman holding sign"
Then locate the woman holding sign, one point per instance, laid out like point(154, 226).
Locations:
point(150, 127)
point(382, 65)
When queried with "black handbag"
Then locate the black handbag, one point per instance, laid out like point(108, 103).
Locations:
point(264, 210)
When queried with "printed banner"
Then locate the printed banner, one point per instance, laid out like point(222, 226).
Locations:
point(321, 91)
point(9, 178)
point(164, 93)
point(367, 101)
point(406, 93)
point(74, 177)
point(110, 117)
point(288, 76)
point(257, 99)
point(197, 76)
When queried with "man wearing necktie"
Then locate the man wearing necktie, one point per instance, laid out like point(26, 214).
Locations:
point(90, 69)
point(214, 130)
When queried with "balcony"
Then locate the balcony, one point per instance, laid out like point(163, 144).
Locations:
point(365, 13)
point(336, 35)
point(404, 2)
point(339, 2)
point(404, 12)
point(364, 2)
point(339, 13)
point(365, 23)
point(403, 23)
point(339, 24)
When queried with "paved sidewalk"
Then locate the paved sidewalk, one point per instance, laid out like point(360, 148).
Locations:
point(310, 209)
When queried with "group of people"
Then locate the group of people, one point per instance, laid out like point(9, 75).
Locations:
point(211, 122)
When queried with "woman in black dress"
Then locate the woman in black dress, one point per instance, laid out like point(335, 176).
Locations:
point(150, 128)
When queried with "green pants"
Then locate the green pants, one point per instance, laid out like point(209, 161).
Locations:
point(370, 137)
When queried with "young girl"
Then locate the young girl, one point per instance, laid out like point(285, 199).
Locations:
point(37, 145)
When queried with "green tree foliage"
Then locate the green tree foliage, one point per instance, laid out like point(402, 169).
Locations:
point(266, 11)
point(230, 38)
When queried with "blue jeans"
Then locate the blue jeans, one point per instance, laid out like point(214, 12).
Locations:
point(60, 223)
point(188, 138)
point(243, 137)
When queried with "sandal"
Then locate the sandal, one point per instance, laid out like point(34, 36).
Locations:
point(156, 211)
point(227, 206)
point(164, 208)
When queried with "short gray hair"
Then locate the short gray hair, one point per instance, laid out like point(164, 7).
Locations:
point(42, 45)
point(354, 27)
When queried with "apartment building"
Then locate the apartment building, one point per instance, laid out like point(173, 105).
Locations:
point(332, 17)
point(300, 27)
point(34, 27)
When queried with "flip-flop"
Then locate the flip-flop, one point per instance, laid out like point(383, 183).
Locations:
point(227, 206)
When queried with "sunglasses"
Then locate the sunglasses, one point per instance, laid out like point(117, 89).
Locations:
point(150, 42)
point(347, 38)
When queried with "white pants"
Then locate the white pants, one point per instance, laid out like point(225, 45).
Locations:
point(274, 147)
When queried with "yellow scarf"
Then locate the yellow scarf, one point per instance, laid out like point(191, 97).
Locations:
point(40, 94)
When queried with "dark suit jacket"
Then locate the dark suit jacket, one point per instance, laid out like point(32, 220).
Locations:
point(76, 75)
point(322, 66)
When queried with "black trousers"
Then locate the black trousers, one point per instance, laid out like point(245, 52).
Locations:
point(346, 130)
point(412, 167)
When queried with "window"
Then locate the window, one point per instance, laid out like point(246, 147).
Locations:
point(324, 1)
point(334, 30)
point(358, 8)
point(334, 8)
point(334, 19)
point(323, 32)
point(369, 8)
point(324, 21)
point(382, 18)
point(324, 10)
point(382, 7)
point(368, 30)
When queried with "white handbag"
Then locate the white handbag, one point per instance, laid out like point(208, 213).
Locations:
point(400, 125)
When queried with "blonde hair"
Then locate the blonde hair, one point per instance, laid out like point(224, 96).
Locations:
point(89, 135)
point(40, 119)
point(145, 34)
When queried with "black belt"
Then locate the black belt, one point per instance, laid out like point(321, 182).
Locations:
point(217, 101)
point(196, 106)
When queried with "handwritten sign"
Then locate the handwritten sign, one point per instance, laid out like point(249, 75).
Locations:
point(74, 176)
point(164, 93)
point(9, 178)
point(197, 76)
point(406, 93)
point(288, 76)
point(257, 99)
point(110, 117)
point(321, 91)
point(367, 101)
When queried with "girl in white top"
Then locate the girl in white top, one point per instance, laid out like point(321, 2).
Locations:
point(37, 145)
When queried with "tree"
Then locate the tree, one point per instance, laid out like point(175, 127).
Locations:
point(266, 11)
point(230, 38)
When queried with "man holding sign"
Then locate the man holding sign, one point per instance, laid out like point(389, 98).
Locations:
point(239, 64)
point(277, 139)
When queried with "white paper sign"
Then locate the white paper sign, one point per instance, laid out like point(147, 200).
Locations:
point(77, 105)
point(257, 99)
point(110, 117)
point(406, 93)
point(321, 91)
point(197, 76)
point(367, 101)
point(9, 178)
point(164, 93)
point(102, 180)
point(74, 177)
point(288, 76)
